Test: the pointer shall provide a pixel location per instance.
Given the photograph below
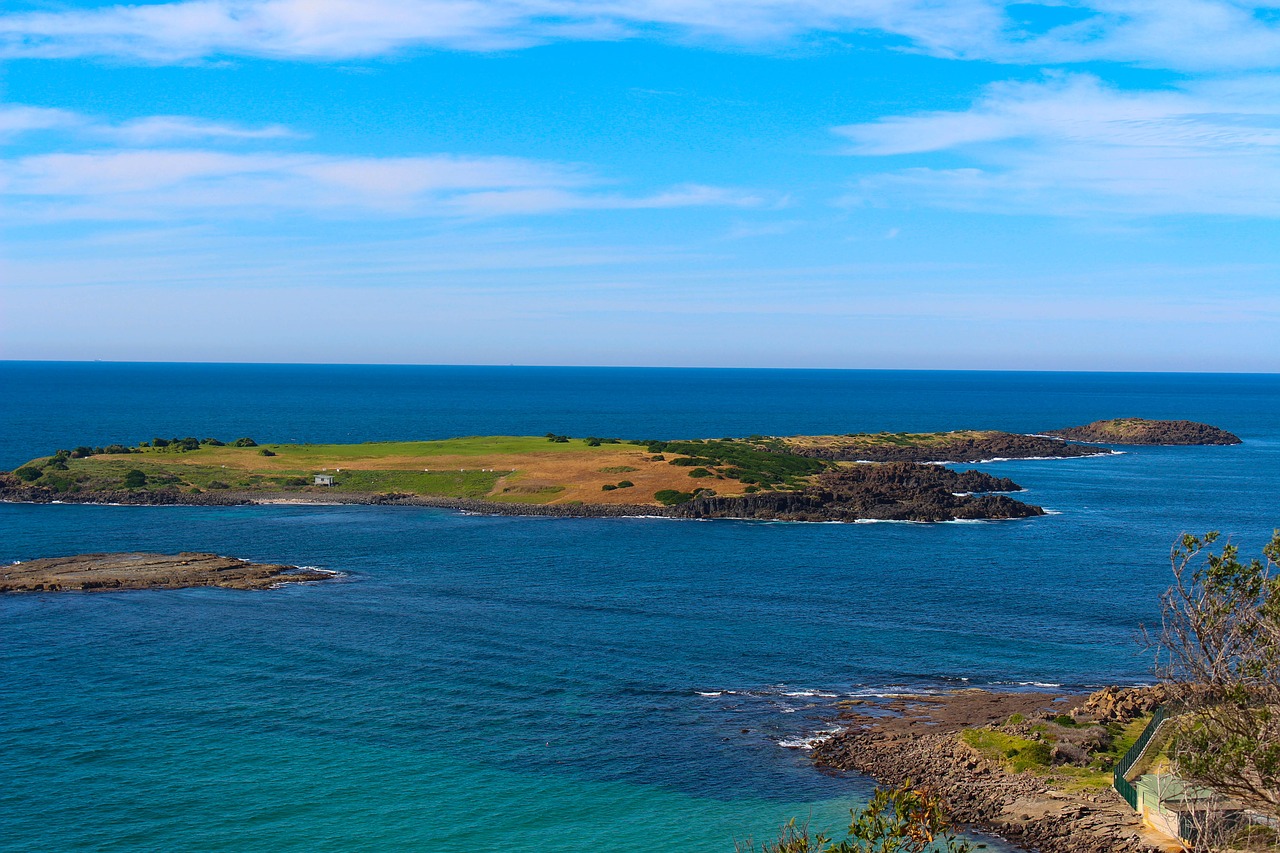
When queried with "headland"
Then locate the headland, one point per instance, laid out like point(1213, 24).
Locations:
point(1140, 431)
point(1033, 768)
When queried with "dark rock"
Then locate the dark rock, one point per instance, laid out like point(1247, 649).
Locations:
point(1142, 431)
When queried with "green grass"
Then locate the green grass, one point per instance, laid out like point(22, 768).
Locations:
point(528, 495)
point(450, 484)
point(1016, 753)
point(487, 445)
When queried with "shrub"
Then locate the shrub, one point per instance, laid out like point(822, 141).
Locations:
point(1065, 720)
point(212, 442)
point(27, 474)
point(700, 472)
point(81, 452)
point(608, 487)
point(266, 452)
point(592, 442)
point(751, 489)
point(245, 442)
point(218, 484)
point(117, 448)
point(134, 479)
point(1014, 719)
point(159, 442)
point(185, 444)
point(671, 497)
point(658, 458)
point(194, 490)
point(625, 484)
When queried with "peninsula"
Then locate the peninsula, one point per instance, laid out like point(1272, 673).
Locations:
point(101, 572)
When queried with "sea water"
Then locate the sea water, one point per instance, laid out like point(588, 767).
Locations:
point(547, 684)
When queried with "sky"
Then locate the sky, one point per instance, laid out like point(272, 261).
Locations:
point(969, 184)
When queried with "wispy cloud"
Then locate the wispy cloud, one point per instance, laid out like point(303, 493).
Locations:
point(164, 183)
point(1072, 145)
point(1179, 34)
point(18, 119)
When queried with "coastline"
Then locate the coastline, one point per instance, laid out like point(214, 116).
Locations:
point(918, 738)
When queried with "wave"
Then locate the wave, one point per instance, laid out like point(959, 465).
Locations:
point(809, 742)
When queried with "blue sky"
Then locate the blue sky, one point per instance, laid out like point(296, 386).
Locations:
point(862, 183)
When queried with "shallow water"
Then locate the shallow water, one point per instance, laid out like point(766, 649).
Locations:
point(554, 684)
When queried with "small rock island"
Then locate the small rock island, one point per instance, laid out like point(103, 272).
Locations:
point(1140, 431)
point(100, 572)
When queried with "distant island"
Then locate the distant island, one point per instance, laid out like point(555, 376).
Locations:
point(1142, 431)
point(102, 572)
point(793, 478)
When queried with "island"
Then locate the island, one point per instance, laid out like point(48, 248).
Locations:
point(103, 572)
point(852, 477)
point(1142, 431)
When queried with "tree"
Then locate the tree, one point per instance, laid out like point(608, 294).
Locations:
point(1219, 644)
point(905, 819)
point(135, 479)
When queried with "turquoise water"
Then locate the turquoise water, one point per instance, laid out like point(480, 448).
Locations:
point(557, 684)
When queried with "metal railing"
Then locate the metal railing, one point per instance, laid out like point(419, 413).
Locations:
point(1120, 779)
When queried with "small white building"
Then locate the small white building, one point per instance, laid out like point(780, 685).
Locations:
point(324, 480)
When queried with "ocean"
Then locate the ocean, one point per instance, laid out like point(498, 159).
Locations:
point(560, 684)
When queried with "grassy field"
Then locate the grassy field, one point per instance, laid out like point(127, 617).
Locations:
point(509, 469)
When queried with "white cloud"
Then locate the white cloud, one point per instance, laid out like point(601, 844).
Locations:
point(17, 119)
point(1072, 145)
point(168, 183)
point(1162, 33)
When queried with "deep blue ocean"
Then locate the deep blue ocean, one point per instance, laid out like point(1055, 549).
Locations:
point(504, 683)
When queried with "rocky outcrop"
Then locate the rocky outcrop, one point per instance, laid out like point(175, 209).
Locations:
point(891, 492)
point(98, 572)
point(958, 447)
point(1142, 431)
point(1122, 704)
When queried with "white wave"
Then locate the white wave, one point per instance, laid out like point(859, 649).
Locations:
point(711, 694)
point(812, 693)
point(808, 742)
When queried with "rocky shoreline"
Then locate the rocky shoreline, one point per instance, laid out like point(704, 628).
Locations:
point(105, 572)
point(893, 492)
point(918, 738)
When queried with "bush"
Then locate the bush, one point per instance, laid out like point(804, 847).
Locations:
point(608, 487)
point(245, 442)
point(212, 442)
point(118, 448)
point(625, 484)
point(671, 497)
point(218, 484)
point(266, 452)
point(1014, 719)
point(134, 479)
point(81, 452)
point(159, 442)
point(1065, 720)
point(700, 472)
point(27, 474)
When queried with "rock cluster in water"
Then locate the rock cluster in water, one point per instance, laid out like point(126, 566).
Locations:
point(1142, 431)
point(90, 572)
